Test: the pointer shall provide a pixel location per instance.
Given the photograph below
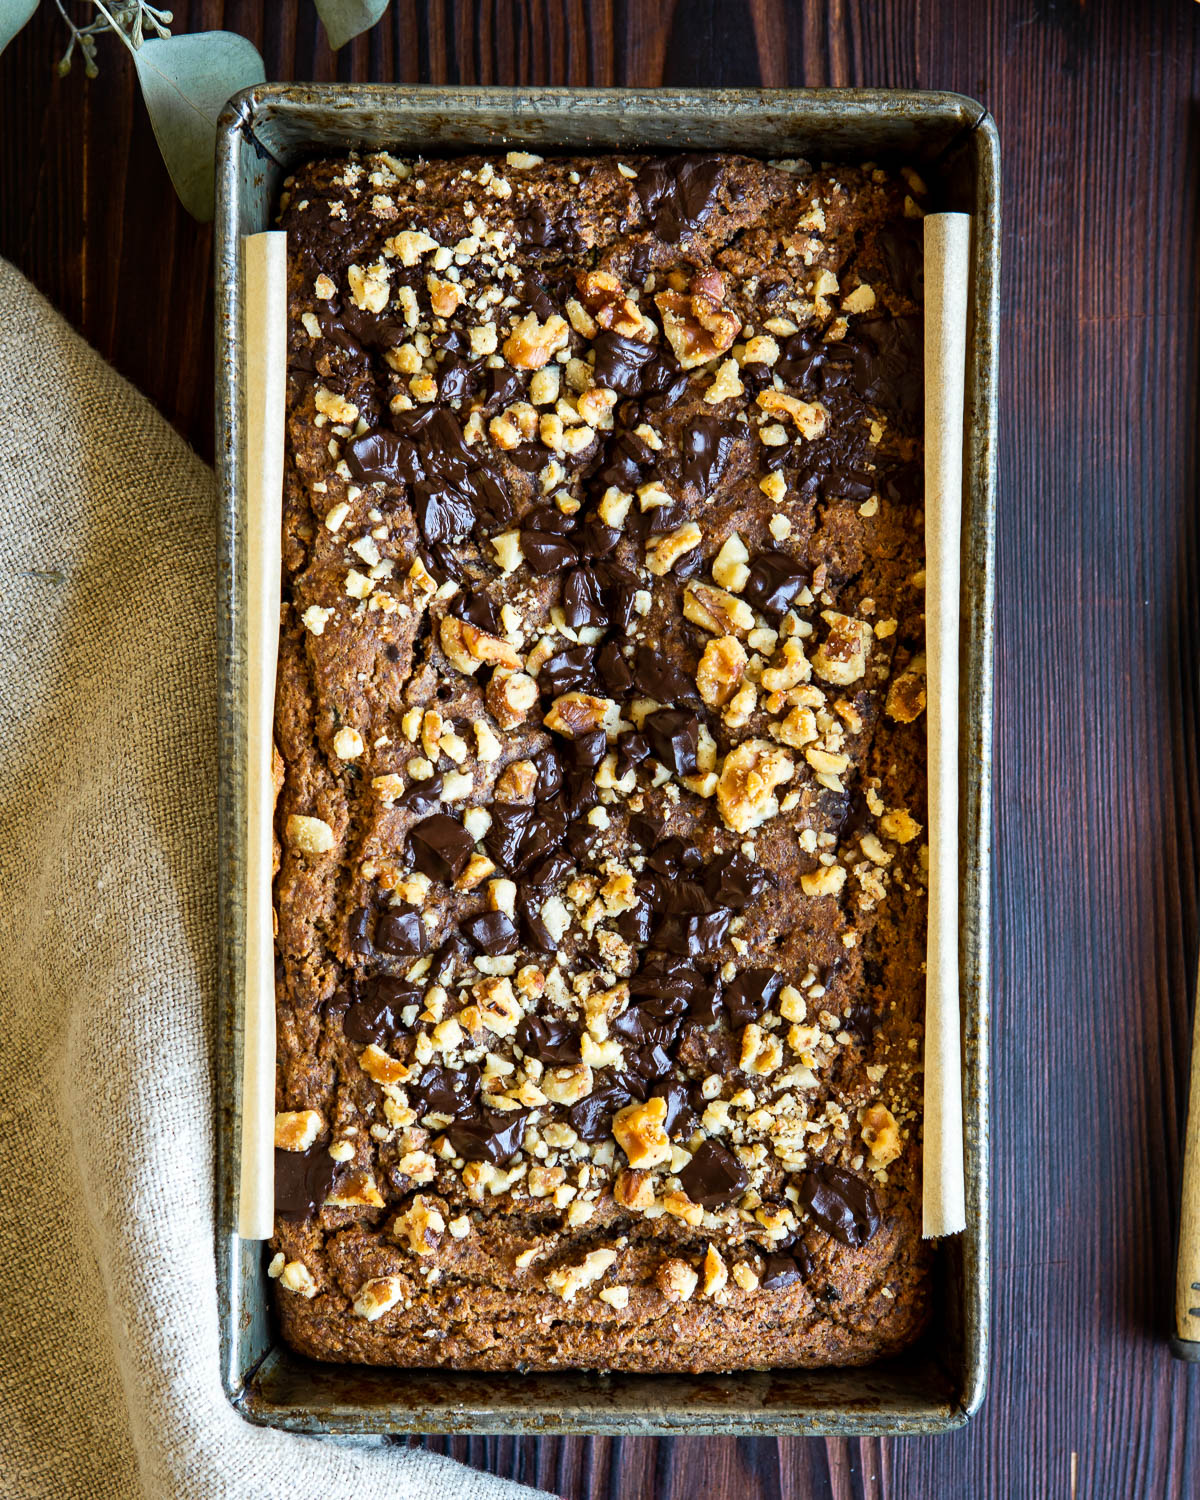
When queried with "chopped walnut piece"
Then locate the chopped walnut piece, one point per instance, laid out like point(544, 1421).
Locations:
point(697, 323)
point(296, 1277)
point(720, 669)
point(634, 1190)
point(358, 1190)
point(825, 880)
point(378, 1065)
point(421, 1225)
point(517, 782)
point(792, 670)
point(898, 824)
point(664, 550)
point(296, 1130)
point(906, 695)
point(639, 1132)
point(369, 286)
point(377, 1296)
point(716, 611)
point(308, 835)
point(715, 1273)
point(729, 569)
point(568, 1084)
point(761, 1051)
point(882, 1135)
point(810, 417)
point(533, 344)
point(573, 714)
point(680, 1206)
point(567, 1281)
point(468, 648)
point(615, 1296)
point(676, 1280)
point(841, 658)
point(746, 787)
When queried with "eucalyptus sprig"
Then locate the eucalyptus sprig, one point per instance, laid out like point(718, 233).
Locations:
point(185, 80)
point(130, 19)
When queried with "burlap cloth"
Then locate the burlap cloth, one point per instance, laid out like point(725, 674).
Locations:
point(108, 1311)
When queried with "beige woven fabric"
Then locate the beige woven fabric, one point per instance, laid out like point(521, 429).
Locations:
point(108, 1317)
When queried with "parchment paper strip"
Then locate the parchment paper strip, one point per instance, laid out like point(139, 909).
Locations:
point(947, 248)
point(265, 365)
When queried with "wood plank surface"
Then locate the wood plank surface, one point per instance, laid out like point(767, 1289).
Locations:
point(1097, 775)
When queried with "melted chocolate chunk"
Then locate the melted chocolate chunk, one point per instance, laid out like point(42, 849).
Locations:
point(550, 1039)
point(586, 751)
point(678, 193)
point(492, 932)
point(682, 1120)
point(597, 540)
point(734, 881)
point(693, 937)
point(440, 847)
point(303, 1180)
point(549, 769)
point(750, 994)
point(479, 610)
point(591, 1118)
point(546, 553)
point(841, 1203)
point(444, 1091)
point(566, 671)
point(583, 600)
point(383, 455)
point(674, 736)
point(613, 670)
point(511, 822)
point(400, 931)
point(705, 452)
point(773, 583)
point(422, 797)
point(781, 1271)
point(714, 1177)
point(661, 679)
point(620, 362)
point(491, 1135)
point(375, 1015)
point(358, 930)
point(556, 866)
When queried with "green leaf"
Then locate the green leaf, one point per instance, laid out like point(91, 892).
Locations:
point(186, 82)
point(14, 14)
point(344, 19)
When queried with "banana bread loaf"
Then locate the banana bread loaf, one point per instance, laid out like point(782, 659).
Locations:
point(601, 903)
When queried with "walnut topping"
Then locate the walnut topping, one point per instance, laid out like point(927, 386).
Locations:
point(369, 286)
point(716, 611)
point(676, 1280)
point(793, 670)
point(729, 569)
point(296, 1130)
point(697, 323)
point(746, 787)
point(296, 1277)
point(615, 1296)
point(882, 1135)
point(665, 550)
point(384, 1069)
point(510, 697)
point(496, 1007)
point(533, 344)
point(567, 1281)
point(567, 1085)
point(826, 880)
point(377, 1296)
point(680, 1206)
point(608, 305)
point(842, 657)
point(358, 1190)
point(810, 417)
point(336, 408)
point(634, 1190)
point(898, 824)
point(761, 1051)
point(348, 743)
point(410, 245)
point(715, 1273)
point(573, 714)
point(517, 782)
point(639, 1132)
point(421, 1225)
point(468, 647)
point(308, 835)
point(906, 695)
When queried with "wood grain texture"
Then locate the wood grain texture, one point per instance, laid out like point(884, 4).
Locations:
point(1097, 774)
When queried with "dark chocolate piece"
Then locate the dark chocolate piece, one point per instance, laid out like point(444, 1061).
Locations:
point(714, 1177)
point(841, 1203)
point(440, 847)
point(303, 1180)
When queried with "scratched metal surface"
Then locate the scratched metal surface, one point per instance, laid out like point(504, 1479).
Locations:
point(938, 1385)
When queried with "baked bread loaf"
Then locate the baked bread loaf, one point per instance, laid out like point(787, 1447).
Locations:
point(601, 910)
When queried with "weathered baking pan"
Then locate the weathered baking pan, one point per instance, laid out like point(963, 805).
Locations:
point(940, 1383)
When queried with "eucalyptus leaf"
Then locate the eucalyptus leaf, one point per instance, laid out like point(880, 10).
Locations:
point(186, 82)
point(344, 19)
point(14, 14)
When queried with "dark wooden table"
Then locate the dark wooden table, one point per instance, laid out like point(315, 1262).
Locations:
point(1098, 765)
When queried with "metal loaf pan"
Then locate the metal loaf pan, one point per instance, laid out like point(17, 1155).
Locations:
point(937, 1385)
